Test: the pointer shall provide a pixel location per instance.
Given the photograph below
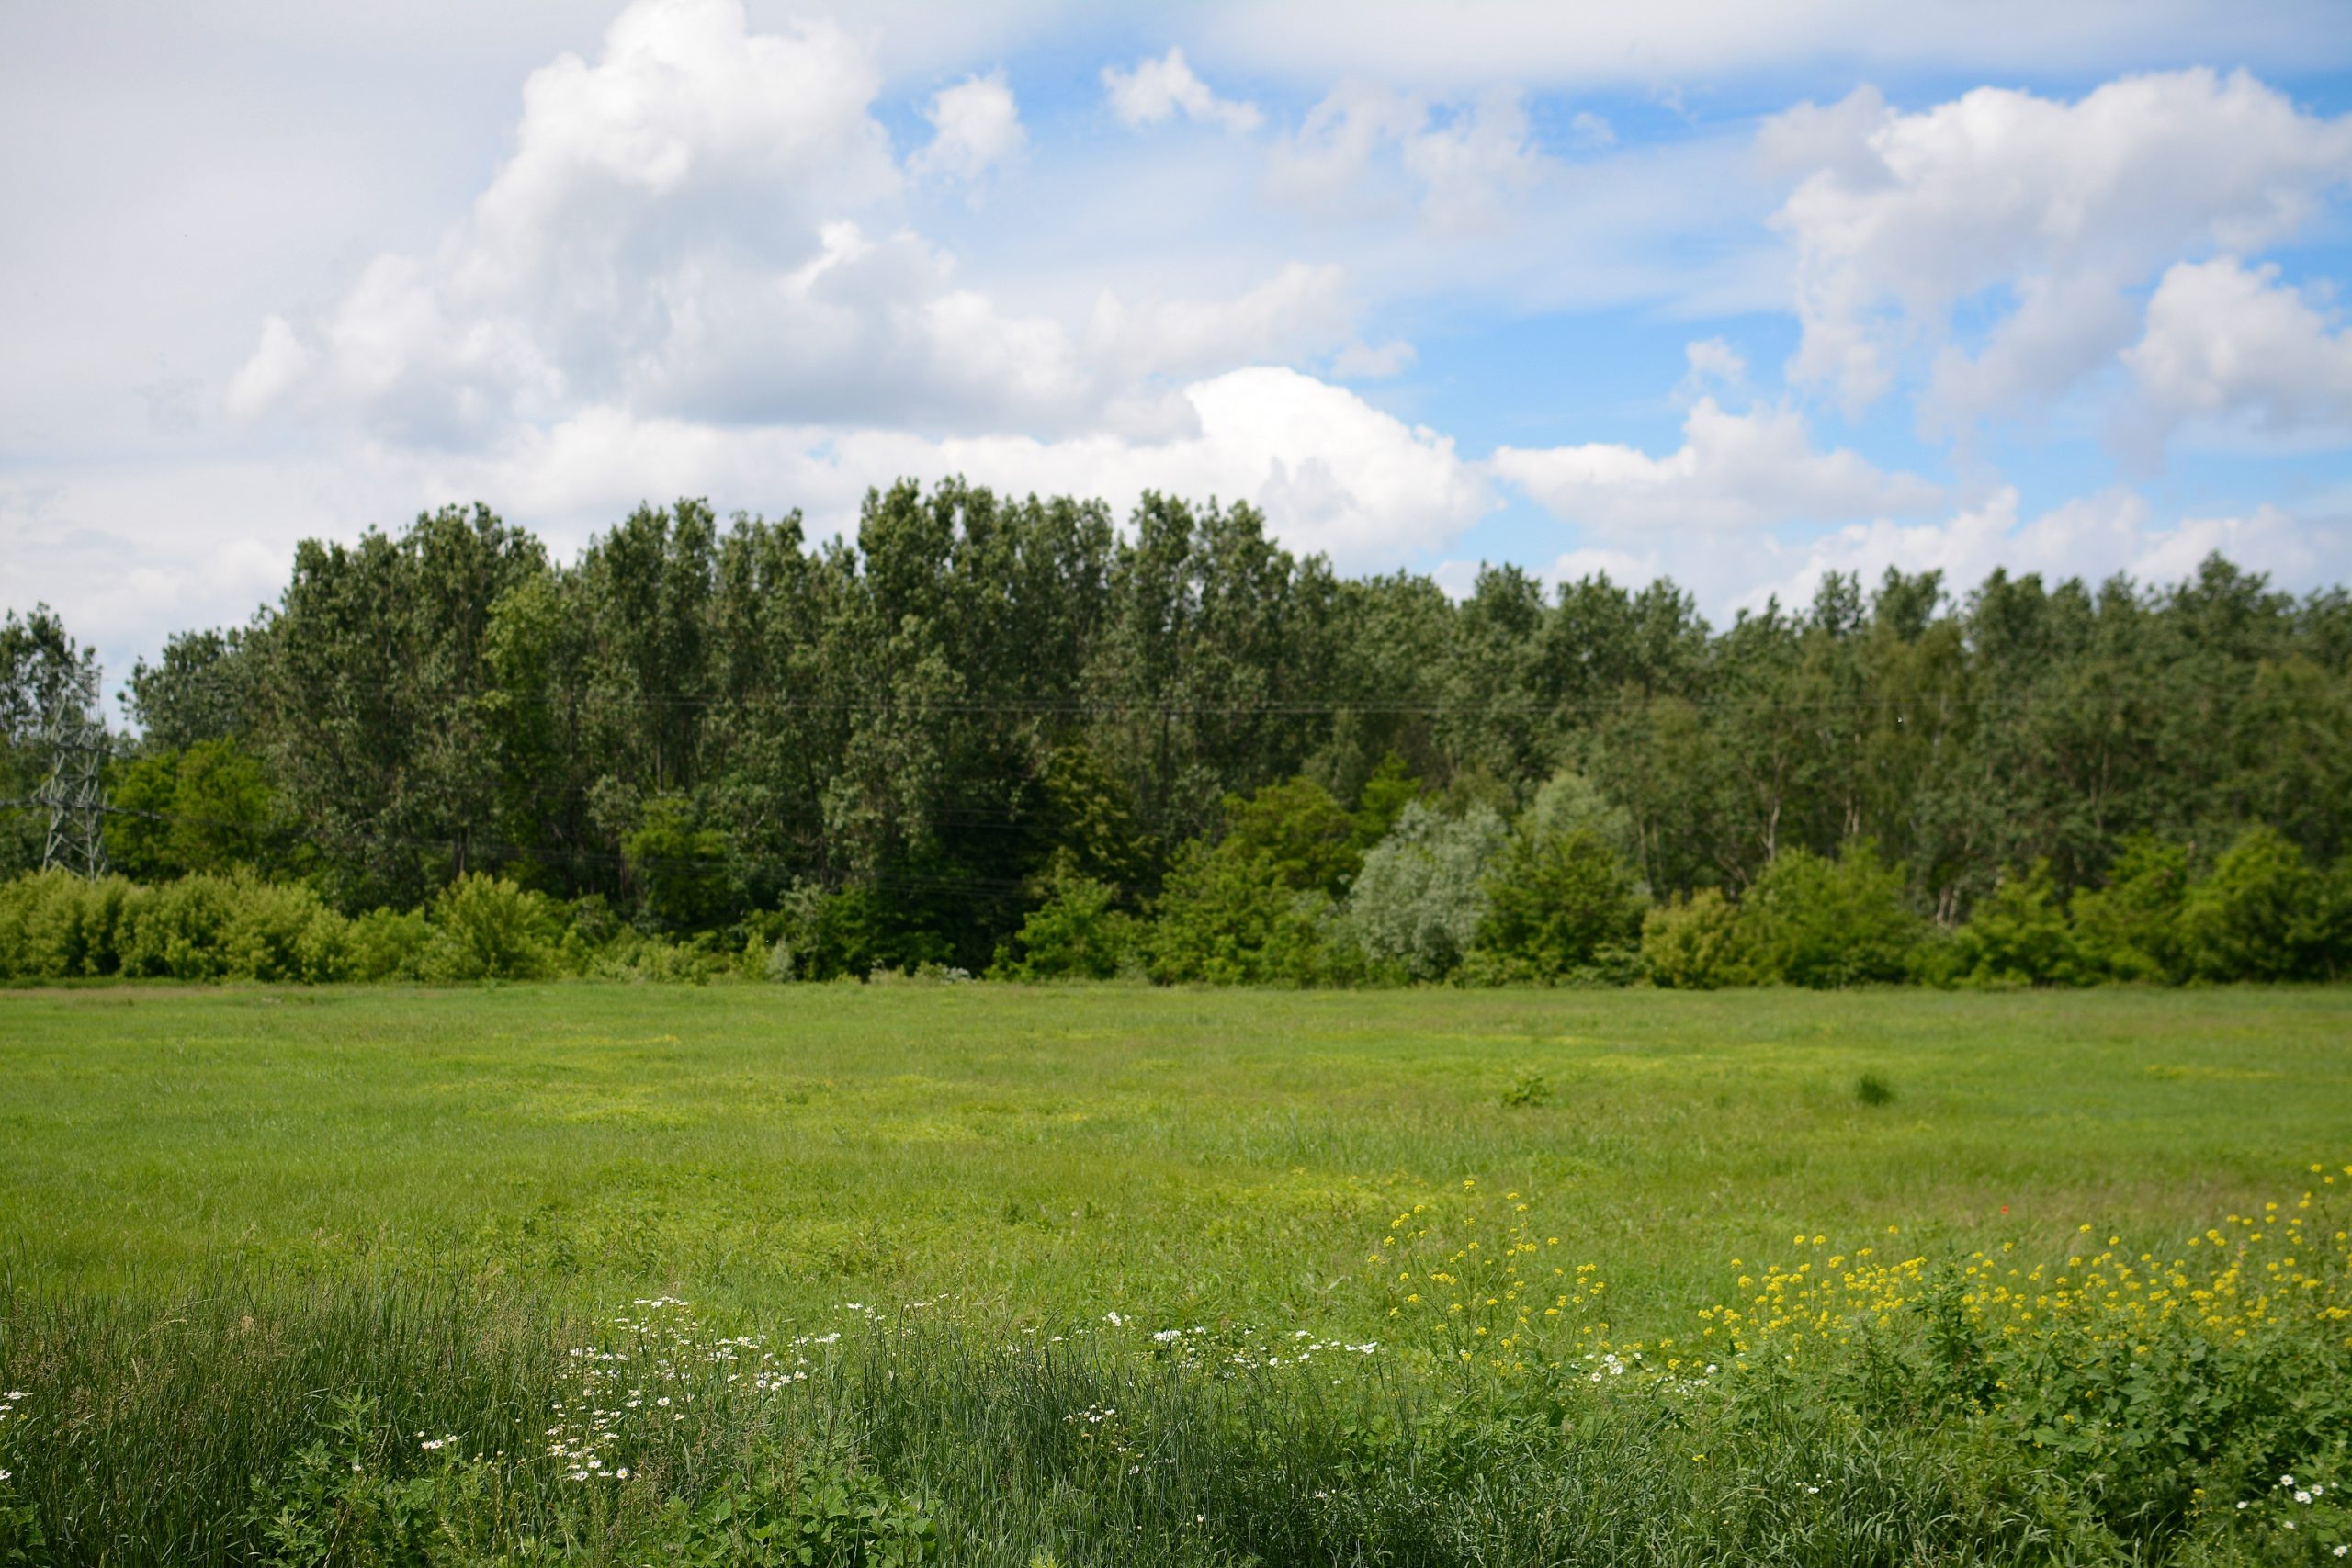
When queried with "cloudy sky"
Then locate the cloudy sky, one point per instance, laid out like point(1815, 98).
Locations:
point(1679, 288)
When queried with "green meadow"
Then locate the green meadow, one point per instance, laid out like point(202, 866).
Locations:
point(1070, 1151)
point(246, 1234)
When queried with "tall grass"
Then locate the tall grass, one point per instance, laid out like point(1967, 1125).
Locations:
point(370, 1418)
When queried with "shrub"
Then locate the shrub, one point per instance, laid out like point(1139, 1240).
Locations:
point(1075, 934)
point(1415, 904)
point(1824, 924)
point(1691, 943)
point(283, 932)
point(1308, 838)
point(2020, 936)
point(1232, 917)
point(55, 926)
point(1562, 906)
point(488, 929)
point(2130, 929)
point(182, 930)
point(387, 945)
point(2256, 917)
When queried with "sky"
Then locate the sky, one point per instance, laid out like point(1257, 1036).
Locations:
point(1731, 293)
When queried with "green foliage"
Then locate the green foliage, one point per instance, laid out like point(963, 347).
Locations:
point(680, 865)
point(696, 718)
point(2130, 926)
point(1826, 924)
point(1690, 942)
point(1415, 906)
point(1230, 916)
point(488, 929)
point(1305, 837)
point(1387, 792)
point(1561, 906)
point(2020, 936)
point(1078, 933)
point(387, 945)
point(1570, 802)
point(2254, 916)
point(1091, 823)
point(203, 810)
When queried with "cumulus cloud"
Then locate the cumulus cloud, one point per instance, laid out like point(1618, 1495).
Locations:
point(702, 224)
point(1900, 218)
point(1156, 90)
point(1331, 472)
point(974, 125)
point(2230, 343)
point(1299, 312)
point(691, 148)
point(1732, 471)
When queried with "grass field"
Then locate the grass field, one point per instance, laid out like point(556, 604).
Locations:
point(1072, 1151)
point(1039, 1158)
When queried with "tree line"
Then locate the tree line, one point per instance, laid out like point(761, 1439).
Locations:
point(997, 732)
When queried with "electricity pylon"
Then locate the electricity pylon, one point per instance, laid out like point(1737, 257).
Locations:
point(75, 790)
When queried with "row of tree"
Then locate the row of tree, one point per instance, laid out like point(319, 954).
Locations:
point(917, 741)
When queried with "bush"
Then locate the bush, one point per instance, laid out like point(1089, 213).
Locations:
point(1691, 943)
point(1075, 934)
point(387, 945)
point(1230, 917)
point(54, 926)
point(1562, 906)
point(1825, 924)
point(181, 932)
point(1306, 836)
point(2130, 929)
point(488, 929)
point(283, 932)
point(2256, 917)
point(1415, 904)
point(2020, 936)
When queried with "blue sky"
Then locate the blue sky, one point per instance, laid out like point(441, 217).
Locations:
point(1735, 294)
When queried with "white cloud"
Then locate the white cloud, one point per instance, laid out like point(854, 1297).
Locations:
point(692, 149)
point(1474, 163)
point(277, 363)
point(1331, 472)
point(1732, 471)
point(1374, 362)
point(1364, 148)
point(1299, 312)
point(975, 126)
point(1156, 90)
point(670, 237)
point(2230, 345)
point(2091, 537)
point(1906, 216)
point(1714, 362)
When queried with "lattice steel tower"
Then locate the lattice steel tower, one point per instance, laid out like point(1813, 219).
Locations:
point(75, 790)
